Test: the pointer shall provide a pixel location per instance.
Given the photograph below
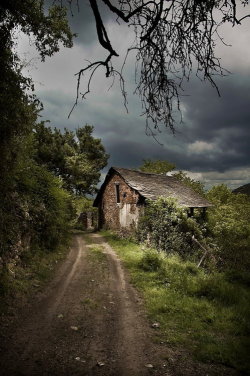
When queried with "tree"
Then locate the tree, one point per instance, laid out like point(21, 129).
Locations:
point(19, 110)
point(229, 224)
point(173, 38)
point(157, 166)
point(75, 157)
point(48, 27)
point(18, 107)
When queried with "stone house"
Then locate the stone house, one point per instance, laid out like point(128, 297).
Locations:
point(123, 195)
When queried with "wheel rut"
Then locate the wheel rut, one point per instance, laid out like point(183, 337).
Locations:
point(88, 321)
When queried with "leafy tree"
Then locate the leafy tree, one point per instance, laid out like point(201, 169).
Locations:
point(48, 27)
point(172, 39)
point(18, 114)
point(229, 224)
point(75, 157)
point(18, 108)
point(45, 207)
point(157, 166)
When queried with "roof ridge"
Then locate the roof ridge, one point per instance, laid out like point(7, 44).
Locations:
point(151, 186)
point(141, 172)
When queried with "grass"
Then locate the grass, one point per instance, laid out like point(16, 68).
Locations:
point(90, 303)
point(31, 273)
point(96, 253)
point(207, 314)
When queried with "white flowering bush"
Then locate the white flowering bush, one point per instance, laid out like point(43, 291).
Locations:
point(167, 227)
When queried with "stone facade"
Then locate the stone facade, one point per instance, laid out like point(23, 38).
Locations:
point(123, 194)
point(119, 206)
point(87, 220)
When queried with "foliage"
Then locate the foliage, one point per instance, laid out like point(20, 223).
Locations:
point(84, 207)
point(48, 27)
point(36, 211)
point(157, 166)
point(205, 313)
point(30, 274)
point(229, 224)
point(30, 195)
point(48, 207)
point(225, 231)
point(75, 157)
point(83, 204)
point(18, 109)
point(167, 227)
point(172, 40)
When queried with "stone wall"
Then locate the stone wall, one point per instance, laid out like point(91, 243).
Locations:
point(87, 220)
point(117, 215)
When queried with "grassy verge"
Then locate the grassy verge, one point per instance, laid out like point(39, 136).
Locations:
point(207, 314)
point(29, 275)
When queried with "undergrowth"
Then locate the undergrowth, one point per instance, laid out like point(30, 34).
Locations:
point(206, 313)
point(30, 274)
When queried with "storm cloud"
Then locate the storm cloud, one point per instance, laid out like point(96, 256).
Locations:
point(212, 143)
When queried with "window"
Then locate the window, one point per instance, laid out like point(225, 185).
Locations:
point(117, 191)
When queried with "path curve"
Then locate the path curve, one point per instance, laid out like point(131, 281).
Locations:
point(88, 322)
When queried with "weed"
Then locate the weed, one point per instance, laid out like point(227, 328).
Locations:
point(96, 253)
point(151, 261)
point(90, 303)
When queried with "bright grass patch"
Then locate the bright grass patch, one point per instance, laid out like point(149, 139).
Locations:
point(206, 313)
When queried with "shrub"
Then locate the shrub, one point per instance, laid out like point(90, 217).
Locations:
point(151, 261)
point(48, 206)
point(167, 227)
point(229, 225)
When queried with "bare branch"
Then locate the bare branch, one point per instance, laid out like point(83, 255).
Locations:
point(173, 40)
point(101, 31)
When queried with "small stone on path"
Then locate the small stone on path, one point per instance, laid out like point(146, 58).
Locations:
point(149, 365)
point(74, 328)
point(100, 364)
point(155, 325)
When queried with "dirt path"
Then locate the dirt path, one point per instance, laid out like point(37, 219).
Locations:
point(89, 321)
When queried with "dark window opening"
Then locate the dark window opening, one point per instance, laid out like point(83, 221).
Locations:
point(117, 190)
point(191, 212)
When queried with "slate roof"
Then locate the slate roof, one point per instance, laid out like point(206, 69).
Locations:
point(153, 186)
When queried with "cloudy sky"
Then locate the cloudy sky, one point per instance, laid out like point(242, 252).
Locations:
point(212, 143)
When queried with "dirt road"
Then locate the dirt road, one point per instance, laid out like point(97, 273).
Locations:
point(89, 321)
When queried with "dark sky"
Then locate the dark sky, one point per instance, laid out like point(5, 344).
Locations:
point(212, 143)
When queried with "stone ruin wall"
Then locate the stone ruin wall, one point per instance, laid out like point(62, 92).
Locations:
point(115, 215)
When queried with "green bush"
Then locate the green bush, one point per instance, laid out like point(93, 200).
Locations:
point(151, 261)
point(48, 205)
point(229, 225)
point(167, 227)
